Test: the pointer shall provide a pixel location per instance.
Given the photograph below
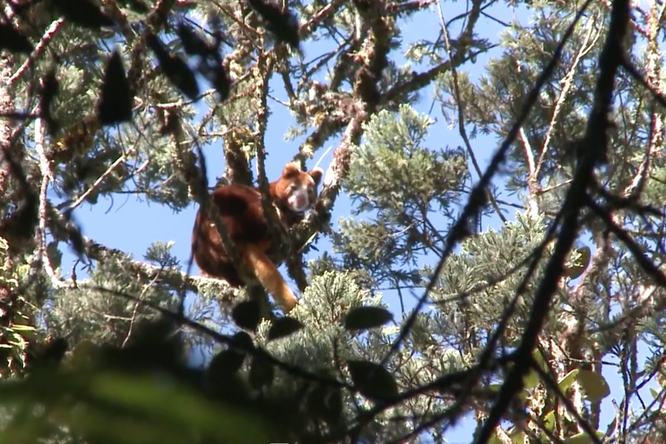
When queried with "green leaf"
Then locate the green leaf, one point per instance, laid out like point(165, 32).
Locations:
point(84, 13)
point(494, 439)
point(549, 420)
point(539, 359)
point(19, 327)
point(565, 383)
point(242, 341)
point(247, 314)
point(192, 42)
point(49, 91)
point(283, 24)
point(225, 364)
point(284, 326)
point(531, 380)
point(595, 385)
point(518, 438)
point(363, 318)
point(168, 412)
point(581, 438)
point(577, 267)
point(83, 354)
point(116, 97)
point(372, 380)
point(174, 67)
point(229, 361)
point(50, 354)
point(262, 371)
point(14, 41)
point(326, 403)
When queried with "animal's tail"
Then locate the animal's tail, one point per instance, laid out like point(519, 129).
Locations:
point(269, 276)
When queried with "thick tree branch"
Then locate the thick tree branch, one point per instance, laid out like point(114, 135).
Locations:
point(175, 279)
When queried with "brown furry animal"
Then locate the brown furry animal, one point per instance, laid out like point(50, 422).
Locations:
point(240, 208)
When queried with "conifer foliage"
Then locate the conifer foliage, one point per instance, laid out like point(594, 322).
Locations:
point(499, 263)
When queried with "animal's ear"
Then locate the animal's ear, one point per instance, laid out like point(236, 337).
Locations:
point(290, 170)
point(316, 174)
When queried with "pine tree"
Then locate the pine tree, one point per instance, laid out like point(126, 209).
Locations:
point(523, 295)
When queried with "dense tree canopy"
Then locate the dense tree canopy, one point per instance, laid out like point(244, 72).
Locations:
point(548, 327)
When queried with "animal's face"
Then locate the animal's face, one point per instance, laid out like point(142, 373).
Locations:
point(298, 189)
point(301, 196)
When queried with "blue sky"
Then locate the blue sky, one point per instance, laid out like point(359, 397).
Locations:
point(132, 226)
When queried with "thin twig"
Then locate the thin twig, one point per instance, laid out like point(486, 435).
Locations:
point(596, 139)
point(99, 180)
point(46, 38)
point(42, 256)
point(473, 17)
point(566, 83)
point(132, 320)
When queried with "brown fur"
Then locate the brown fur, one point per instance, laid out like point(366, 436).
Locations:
point(241, 211)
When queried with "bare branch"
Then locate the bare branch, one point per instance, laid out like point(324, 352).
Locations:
point(143, 271)
point(46, 38)
point(566, 82)
point(42, 258)
point(473, 18)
